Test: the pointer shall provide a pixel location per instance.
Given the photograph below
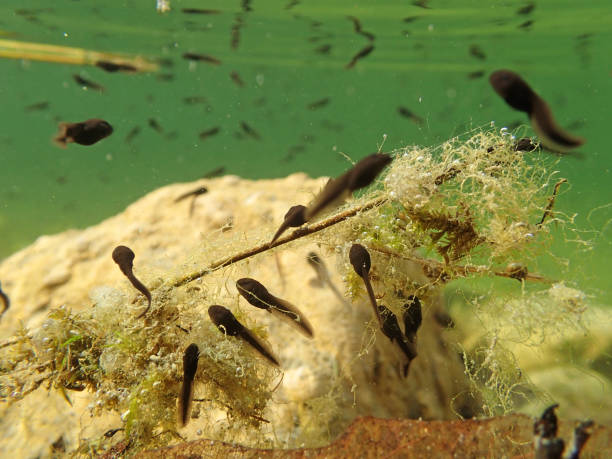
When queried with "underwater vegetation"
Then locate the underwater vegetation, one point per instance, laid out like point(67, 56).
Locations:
point(424, 218)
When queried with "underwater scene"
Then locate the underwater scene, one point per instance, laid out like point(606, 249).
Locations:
point(279, 225)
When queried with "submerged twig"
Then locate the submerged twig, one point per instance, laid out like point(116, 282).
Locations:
point(297, 234)
point(459, 270)
point(551, 202)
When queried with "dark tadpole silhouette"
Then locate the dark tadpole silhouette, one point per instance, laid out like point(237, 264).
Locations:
point(362, 174)
point(581, 434)
point(293, 218)
point(360, 55)
point(197, 192)
point(190, 367)
point(547, 445)
point(124, 257)
point(391, 329)
point(201, 58)
point(113, 67)
point(228, 324)
point(194, 194)
point(360, 259)
point(323, 277)
point(519, 95)
point(336, 190)
point(84, 133)
point(4, 299)
point(413, 317)
point(259, 296)
point(87, 84)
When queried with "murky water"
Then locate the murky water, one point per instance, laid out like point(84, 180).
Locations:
point(281, 98)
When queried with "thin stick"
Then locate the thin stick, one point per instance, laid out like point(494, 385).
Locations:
point(551, 202)
point(298, 233)
point(463, 271)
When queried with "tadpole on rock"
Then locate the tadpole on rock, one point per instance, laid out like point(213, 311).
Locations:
point(227, 323)
point(259, 296)
point(190, 367)
point(124, 257)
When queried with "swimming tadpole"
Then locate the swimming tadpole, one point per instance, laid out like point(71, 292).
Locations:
point(519, 95)
point(336, 190)
point(257, 295)
point(84, 133)
point(124, 257)
point(227, 323)
point(362, 174)
point(190, 367)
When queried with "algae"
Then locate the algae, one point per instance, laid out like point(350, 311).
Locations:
point(473, 207)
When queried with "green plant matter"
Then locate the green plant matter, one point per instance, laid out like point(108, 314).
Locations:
point(472, 207)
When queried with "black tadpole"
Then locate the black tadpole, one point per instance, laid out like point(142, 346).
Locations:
point(581, 434)
point(413, 317)
point(547, 445)
point(6, 302)
point(228, 324)
point(360, 259)
point(197, 192)
point(293, 218)
point(362, 174)
point(391, 329)
point(519, 95)
point(124, 257)
point(190, 367)
point(259, 296)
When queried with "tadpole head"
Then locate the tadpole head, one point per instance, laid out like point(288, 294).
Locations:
point(123, 256)
point(360, 259)
point(295, 216)
point(190, 361)
point(224, 320)
point(513, 89)
point(366, 170)
point(254, 292)
point(546, 426)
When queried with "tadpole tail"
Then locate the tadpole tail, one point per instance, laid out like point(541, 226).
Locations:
point(368, 284)
point(281, 229)
point(293, 315)
point(550, 133)
point(185, 399)
point(260, 347)
point(142, 289)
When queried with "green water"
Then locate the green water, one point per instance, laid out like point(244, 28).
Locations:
point(422, 64)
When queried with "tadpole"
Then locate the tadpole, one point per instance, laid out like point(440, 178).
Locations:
point(547, 445)
point(293, 218)
point(359, 176)
point(197, 192)
point(412, 317)
point(228, 324)
point(519, 95)
point(323, 277)
point(124, 257)
point(190, 367)
point(6, 302)
point(391, 329)
point(259, 296)
point(360, 259)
